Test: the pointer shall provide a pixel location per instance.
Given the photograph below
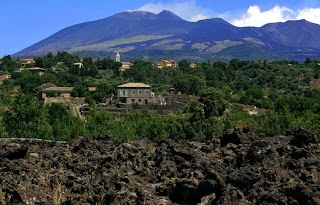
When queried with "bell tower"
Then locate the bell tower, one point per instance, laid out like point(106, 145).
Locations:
point(118, 57)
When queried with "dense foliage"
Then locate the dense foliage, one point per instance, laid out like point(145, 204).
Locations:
point(285, 94)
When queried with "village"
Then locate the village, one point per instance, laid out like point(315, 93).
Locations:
point(129, 97)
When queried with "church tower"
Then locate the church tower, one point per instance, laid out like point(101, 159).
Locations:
point(118, 57)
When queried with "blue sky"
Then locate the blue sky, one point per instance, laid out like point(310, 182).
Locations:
point(23, 23)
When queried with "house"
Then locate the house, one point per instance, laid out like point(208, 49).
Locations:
point(167, 63)
point(56, 91)
point(78, 65)
point(27, 61)
point(92, 89)
point(3, 78)
point(18, 70)
point(37, 70)
point(193, 65)
point(125, 66)
point(64, 92)
point(135, 93)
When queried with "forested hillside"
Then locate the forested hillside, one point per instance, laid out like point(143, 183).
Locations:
point(266, 97)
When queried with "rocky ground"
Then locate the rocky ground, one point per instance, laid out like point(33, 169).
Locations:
point(237, 168)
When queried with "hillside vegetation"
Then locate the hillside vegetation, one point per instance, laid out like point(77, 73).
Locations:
point(282, 94)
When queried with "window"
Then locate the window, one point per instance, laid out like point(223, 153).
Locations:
point(139, 92)
point(132, 100)
point(133, 92)
point(124, 93)
point(139, 100)
point(146, 92)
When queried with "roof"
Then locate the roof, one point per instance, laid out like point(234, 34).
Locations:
point(46, 85)
point(58, 89)
point(134, 85)
point(36, 69)
point(127, 63)
point(4, 77)
point(168, 61)
point(92, 89)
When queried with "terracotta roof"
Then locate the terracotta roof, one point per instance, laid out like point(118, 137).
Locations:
point(58, 89)
point(92, 89)
point(134, 85)
point(4, 77)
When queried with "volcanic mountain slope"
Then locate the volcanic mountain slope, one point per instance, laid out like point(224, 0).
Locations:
point(145, 31)
point(237, 168)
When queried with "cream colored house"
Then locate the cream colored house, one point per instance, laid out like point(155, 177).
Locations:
point(27, 61)
point(135, 93)
point(125, 66)
point(78, 65)
point(167, 63)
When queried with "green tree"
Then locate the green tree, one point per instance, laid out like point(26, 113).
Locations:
point(64, 125)
point(27, 119)
point(89, 68)
point(214, 103)
point(99, 123)
point(184, 65)
point(3, 132)
point(189, 84)
point(79, 90)
point(9, 63)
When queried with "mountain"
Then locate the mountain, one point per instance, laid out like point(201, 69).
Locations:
point(146, 33)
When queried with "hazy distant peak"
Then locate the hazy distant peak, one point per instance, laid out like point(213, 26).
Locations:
point(300, 20)
point(220, 20)
point(168, 15)
point(136, 15)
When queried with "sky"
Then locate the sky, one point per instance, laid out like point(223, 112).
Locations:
point(23, 23)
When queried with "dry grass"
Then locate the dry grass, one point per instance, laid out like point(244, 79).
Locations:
point(68, 153)
point(316, 176)
point(315, 83)
point(2, 198)
point(282, 173)
point(229, 201)
point(58, 194)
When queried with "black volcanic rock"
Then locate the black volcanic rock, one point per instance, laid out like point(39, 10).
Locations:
point(238, 168)
point(145, 31)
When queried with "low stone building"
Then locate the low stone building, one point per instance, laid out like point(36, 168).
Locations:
point(135, 93)
point(56, 92)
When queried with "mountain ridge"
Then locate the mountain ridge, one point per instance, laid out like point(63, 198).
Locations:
point(165, 31)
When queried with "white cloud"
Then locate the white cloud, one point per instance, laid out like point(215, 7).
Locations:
point(255, 17)
point(310, 14)
point(188, 10)
point(199, 17)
